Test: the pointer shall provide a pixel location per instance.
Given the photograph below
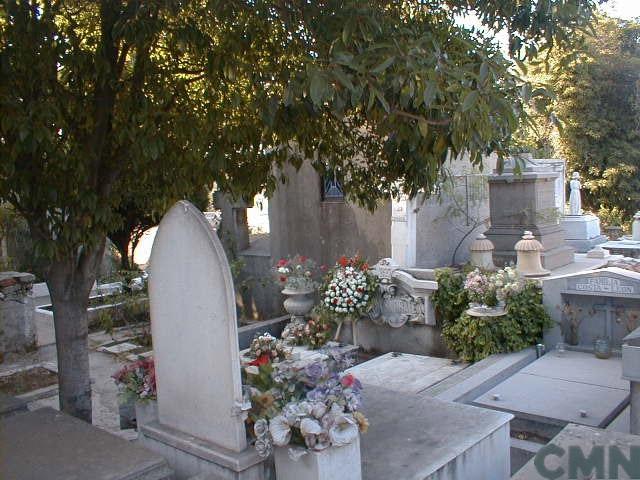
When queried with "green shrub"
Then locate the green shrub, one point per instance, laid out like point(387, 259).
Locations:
point(450, 300)
point(475, 338)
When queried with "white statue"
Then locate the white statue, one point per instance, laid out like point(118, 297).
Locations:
point(575, 202)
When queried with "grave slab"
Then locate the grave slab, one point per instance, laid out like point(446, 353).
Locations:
point(10, 405)
point(555, 389)
point(585, 439)
point(404, 372)
point(415, 437)
point(47, 444)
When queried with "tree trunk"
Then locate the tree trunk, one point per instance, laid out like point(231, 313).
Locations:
point(121, 240)
point(70, 281)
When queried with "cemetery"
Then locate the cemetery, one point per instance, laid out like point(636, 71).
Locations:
point(300, 241)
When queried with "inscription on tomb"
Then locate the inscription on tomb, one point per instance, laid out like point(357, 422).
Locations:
point(602, 285)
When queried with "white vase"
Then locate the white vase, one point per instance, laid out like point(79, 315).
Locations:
point(331, 464)
point(146, 412)
point(299, 302)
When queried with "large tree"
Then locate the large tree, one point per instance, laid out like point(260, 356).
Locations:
point(95, 96)
point(597, 100)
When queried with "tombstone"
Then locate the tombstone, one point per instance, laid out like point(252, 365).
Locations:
point(526, 201)
point(201, 426)
point(590, 305)
point(402, 318)
point(17, 326)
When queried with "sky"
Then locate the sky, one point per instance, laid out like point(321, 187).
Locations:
point(626, 9)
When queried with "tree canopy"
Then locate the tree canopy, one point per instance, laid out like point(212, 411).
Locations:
point(99, 98)
point(597, 100)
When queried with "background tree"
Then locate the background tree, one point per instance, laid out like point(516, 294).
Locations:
point(597, 99)
point(98, 97)
point(142, 209)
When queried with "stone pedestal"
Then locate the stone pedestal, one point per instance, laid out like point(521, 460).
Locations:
point(330, 464)
point(631, 372)
point(582, 232)
point(17, 327)
point(526, 202)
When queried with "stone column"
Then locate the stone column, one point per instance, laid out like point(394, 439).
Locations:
point(635, 408)
point(17, 327)
point(631, 372)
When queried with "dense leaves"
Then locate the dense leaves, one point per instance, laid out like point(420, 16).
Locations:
point(474, 338)
point(597, 99)
point(101, 99)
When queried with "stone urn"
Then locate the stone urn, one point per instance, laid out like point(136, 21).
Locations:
point(299, 302)
point(146, 412)
point(329, 464)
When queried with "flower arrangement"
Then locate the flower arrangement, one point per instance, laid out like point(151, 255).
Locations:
point(508, 282)
point(137, 379)
point(314, 333)
point(493, 287)
point(349, 288)
point(309, 407)
point(297, 273)
point(480, 288)
point(267, 348)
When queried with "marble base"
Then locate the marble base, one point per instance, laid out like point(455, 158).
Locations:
point(189, 456)
point(582, 232)
point(330, 464)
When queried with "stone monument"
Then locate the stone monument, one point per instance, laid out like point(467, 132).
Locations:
point(526, 200)
point(582, 230)
point(17, 325)
point(591, 305)
point(201, 428)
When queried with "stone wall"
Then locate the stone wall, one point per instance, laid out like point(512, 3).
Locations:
point(17, 328)
point(301, 222)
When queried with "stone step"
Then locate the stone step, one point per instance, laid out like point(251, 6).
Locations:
point(47, 444)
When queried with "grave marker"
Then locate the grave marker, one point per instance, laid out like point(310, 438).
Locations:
point(193, 322)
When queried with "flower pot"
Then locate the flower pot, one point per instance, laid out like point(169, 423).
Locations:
point(146, 412)
point(329, 464)
point(602, 348)
point(298, 303)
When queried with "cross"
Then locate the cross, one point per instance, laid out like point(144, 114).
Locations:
point(611, 311)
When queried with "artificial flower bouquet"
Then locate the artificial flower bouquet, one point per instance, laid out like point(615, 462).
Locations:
point(480, 289)
point(267, 348)
point(297, 273)
point(308, 407)
point(137, 380)
point(508, 282)
point(491, 288)
point(349, 288)
point(314, 333)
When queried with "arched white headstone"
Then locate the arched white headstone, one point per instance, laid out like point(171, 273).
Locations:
point(193, 323)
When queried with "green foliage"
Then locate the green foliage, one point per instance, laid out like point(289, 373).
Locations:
point(597, 99)
point(15, 232)
point(474, 338)
point(100, 99)
point(450, 300)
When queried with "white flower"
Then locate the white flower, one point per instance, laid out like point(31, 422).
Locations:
point(252, 370)
point(261, 427)
point(318, 410)
point(309, 426)
point(280, 431)
point(344, 430)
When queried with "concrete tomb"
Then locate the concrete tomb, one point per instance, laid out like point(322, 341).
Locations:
point(589, 305)
point(422, 438)
point(556, 390)
point(49, 445)
point(17, 327)
point(526, 201)
point(402, 318)
point(193, 320)
point(584, 452)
